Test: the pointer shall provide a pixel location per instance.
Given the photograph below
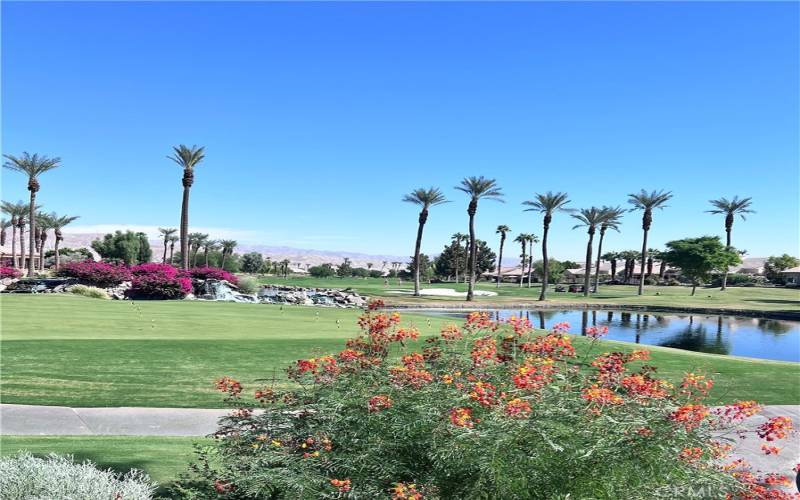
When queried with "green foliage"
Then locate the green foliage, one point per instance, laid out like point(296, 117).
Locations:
point(427, 269)
point(89, 291)
point(445, 263)
point(248, 285)
point(128, 247)
point(251, 262)
point(345, 269)
point(739, 279)
point(555, 270)
point(322, 271)
point(698, 258)
point(776, 264)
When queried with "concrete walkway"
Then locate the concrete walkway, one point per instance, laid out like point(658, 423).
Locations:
point(27, 420)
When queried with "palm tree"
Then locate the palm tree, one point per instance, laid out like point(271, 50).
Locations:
point(196, 241)
point(285, 267)
point(187, 158)
point(652, 254)
point(43, 224)
point(611, 220)
point(227, 249)
point(166, 233)
point(17, 213)
point(522, 239)
point(208, 246)
point(502, 230)
point(33, 166)
point(457, 239)
point(730, 208)
point(612, 258)
point(590, 218)
point(533, 239)
point(476, 188)
point(58, 222)
point(547, 204)
point(647, 202)
point(172, 240)
point(425, 198)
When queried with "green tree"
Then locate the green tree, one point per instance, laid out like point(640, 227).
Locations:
point(128, 247)
point(18, 213)
point(188, 158)
point(476, 188)
point(322, 271)
point(590, 218)
point(522, 239)
point(33, 166)
point(227, 250)
point(503, 231)
point(612, 258)
point(426, 270)
point(698, 258)
point(775, 264)
point(425, 198)
point(555, 269)
point(444, 264)
point(345, 269)
point(166, 233)
point(251, 262)
point(172, 240)
point(196, 242)
point(647, 202)
point(547, 204)
point(612, 217)
point(730, 209)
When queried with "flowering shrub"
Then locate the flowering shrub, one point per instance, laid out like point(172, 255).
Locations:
point(99, 274)
point(9, 272)
point(215, 273)
point(158, 281)
point(486, 410)
point(24, 476)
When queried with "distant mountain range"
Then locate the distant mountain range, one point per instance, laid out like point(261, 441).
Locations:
point(276, 253)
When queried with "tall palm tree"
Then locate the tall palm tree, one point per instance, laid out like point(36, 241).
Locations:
point(33, 166)
point(227, 249)
point(16, 213)
point(425, 198)
point(58, 222)
point(476, 188)
point(503, 231)
point(172, 240)
point(166, 233)
point(547, 204)
point(43, 223)
point(457, 239)
point(612, 258)
point(285, 267)
point(195, 242)
point(730, 208)
point(209, 246)
point(590, 218)
point(187, 158)
point(522, 239)
point(647, 202)
point(612, 217)
point(531, 241)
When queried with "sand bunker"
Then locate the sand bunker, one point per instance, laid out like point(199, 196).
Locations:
point(443, 292)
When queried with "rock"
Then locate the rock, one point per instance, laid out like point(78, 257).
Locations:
point(119, 292)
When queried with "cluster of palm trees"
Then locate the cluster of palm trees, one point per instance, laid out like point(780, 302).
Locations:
point(21, 214)
point(196, 242)
point(594, 219)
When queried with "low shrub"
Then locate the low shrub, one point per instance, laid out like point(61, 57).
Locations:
point(485, 410)
point(100, 274)
point(248, 285)
point(213, 273)
point(739, 279)
point(159, 286)
point(24, 477)
point(154, 268)
point(89, 291)
point(9, 272)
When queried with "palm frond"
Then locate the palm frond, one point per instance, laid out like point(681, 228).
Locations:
point(188, 157)
point(425, 197)
point(481, 187)
point(648, 201)
point(548, 203)
point(31, 165)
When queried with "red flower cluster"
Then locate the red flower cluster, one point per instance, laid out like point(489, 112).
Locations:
point(595, 332)
point(484, 393)
point(561, 327)
point(696, 386)
point(691, 454)
point(484, 350)
point(9, 272)
point(451, 332)
point(738, 411)
point(554, 346)
point(323, 368)
point(480, 321)
point(770, 450)
point(611, 366)
point(378, 403)
point(518, 408)
point(462, 417)
point(690, 416)
point(412, 373)
point(521, 326)
point(601, 396)
point(222, 486)
point(266, 395)
point(229, 385)
point(406, 491)
point(343, 485)
point(641, 385)
point(534, 374)
point(775, 428)
point(402, 334)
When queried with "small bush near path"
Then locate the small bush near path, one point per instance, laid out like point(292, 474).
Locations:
point(484, 410)
point(248, 285)
point(89, 291)
point(9, 272)
point(25, 477)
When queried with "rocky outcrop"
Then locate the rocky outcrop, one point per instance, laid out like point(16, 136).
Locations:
point(270, 294)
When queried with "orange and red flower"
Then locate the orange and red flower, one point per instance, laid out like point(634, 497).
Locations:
point(343, 485)
point(518, 408)
point(462, 417)
point(379, 403)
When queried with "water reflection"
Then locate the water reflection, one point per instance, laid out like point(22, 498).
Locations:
point(740, 336)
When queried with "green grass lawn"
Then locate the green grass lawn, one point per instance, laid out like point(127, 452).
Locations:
point(163, 458)
point(735, 298)
point(75, 351)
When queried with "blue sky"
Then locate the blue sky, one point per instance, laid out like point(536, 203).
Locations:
point(318, 117)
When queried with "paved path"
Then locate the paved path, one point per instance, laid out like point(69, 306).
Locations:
point(63, 421)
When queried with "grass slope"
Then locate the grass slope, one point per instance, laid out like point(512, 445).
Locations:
point(76, 351)
point(736, 298)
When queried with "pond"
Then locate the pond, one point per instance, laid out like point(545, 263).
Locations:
point(733, 335)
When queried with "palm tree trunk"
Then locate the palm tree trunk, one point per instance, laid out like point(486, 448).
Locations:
point(500, 260)
point(728, 246)
point(522, 264)
point(55, 250)
point(22, 248)
point(164, 258)
point(32, 236)
point(694, 287)
point(613, 269)
point(644, 260)
point(205, 255)
point(14, 247)
point(530, 263)
point(457, 251)
point(171, 253)
point(224, 256)
point(587, 269)
point(185, 228)
point(473, 250)
point(597, 264)
point(545, 266)
point(423, 217)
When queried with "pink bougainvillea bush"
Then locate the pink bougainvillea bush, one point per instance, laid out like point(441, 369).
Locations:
point(9, 272)
point(158, 281)
point(99, 274)
point(484, 410)
point(216, 273)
